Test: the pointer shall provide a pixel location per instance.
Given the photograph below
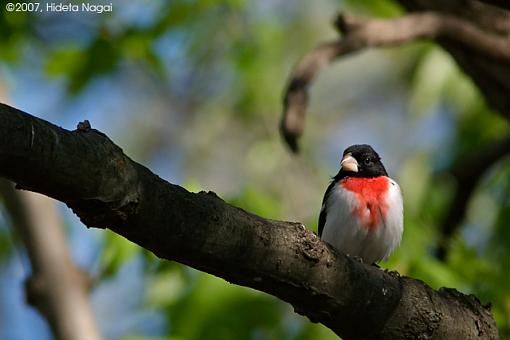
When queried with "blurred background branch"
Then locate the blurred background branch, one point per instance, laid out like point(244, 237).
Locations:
point(361, 33)
point(467, 175)
point(56, 287)
point(497, 3)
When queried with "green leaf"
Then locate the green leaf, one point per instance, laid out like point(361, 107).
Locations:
point(116, 251)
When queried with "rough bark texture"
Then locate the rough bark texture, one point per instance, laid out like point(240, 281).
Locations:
point(106, 189)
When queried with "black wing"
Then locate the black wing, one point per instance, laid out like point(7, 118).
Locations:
point(322, 216)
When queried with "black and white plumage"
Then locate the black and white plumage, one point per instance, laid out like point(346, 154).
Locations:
point(362, 209)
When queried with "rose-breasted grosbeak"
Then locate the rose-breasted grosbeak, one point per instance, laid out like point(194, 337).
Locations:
point(362, 209)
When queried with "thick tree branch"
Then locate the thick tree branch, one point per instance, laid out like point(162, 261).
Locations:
point(295, 100)
point(490, 76)
point(467, 175)
point(361, 33)
point(106, 189)
point(56, 287)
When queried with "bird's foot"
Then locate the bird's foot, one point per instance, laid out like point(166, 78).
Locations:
point(356, 257)
point(393, 273)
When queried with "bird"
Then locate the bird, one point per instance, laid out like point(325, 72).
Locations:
point(362, 211)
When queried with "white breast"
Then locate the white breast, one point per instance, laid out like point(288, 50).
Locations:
point(346, 233)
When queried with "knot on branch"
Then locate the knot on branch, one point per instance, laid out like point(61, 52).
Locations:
point(83, 126)
point(311, 246)
point(345, 23)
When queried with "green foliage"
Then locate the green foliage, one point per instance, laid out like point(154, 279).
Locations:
point(431, 78)
point(6, 242)
point(382, 8)
point(220, 311)
point(15, 28)
point(202, 306)
point(258, 202)
point(116, 252)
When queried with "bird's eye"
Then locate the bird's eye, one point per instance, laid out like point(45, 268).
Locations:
point(367, 162)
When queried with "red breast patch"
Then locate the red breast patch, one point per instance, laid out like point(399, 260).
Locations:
point(371, 198)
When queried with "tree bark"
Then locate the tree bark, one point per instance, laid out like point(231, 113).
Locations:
point(106, 189)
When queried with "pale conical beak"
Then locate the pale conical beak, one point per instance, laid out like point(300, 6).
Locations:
point(349, 163)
